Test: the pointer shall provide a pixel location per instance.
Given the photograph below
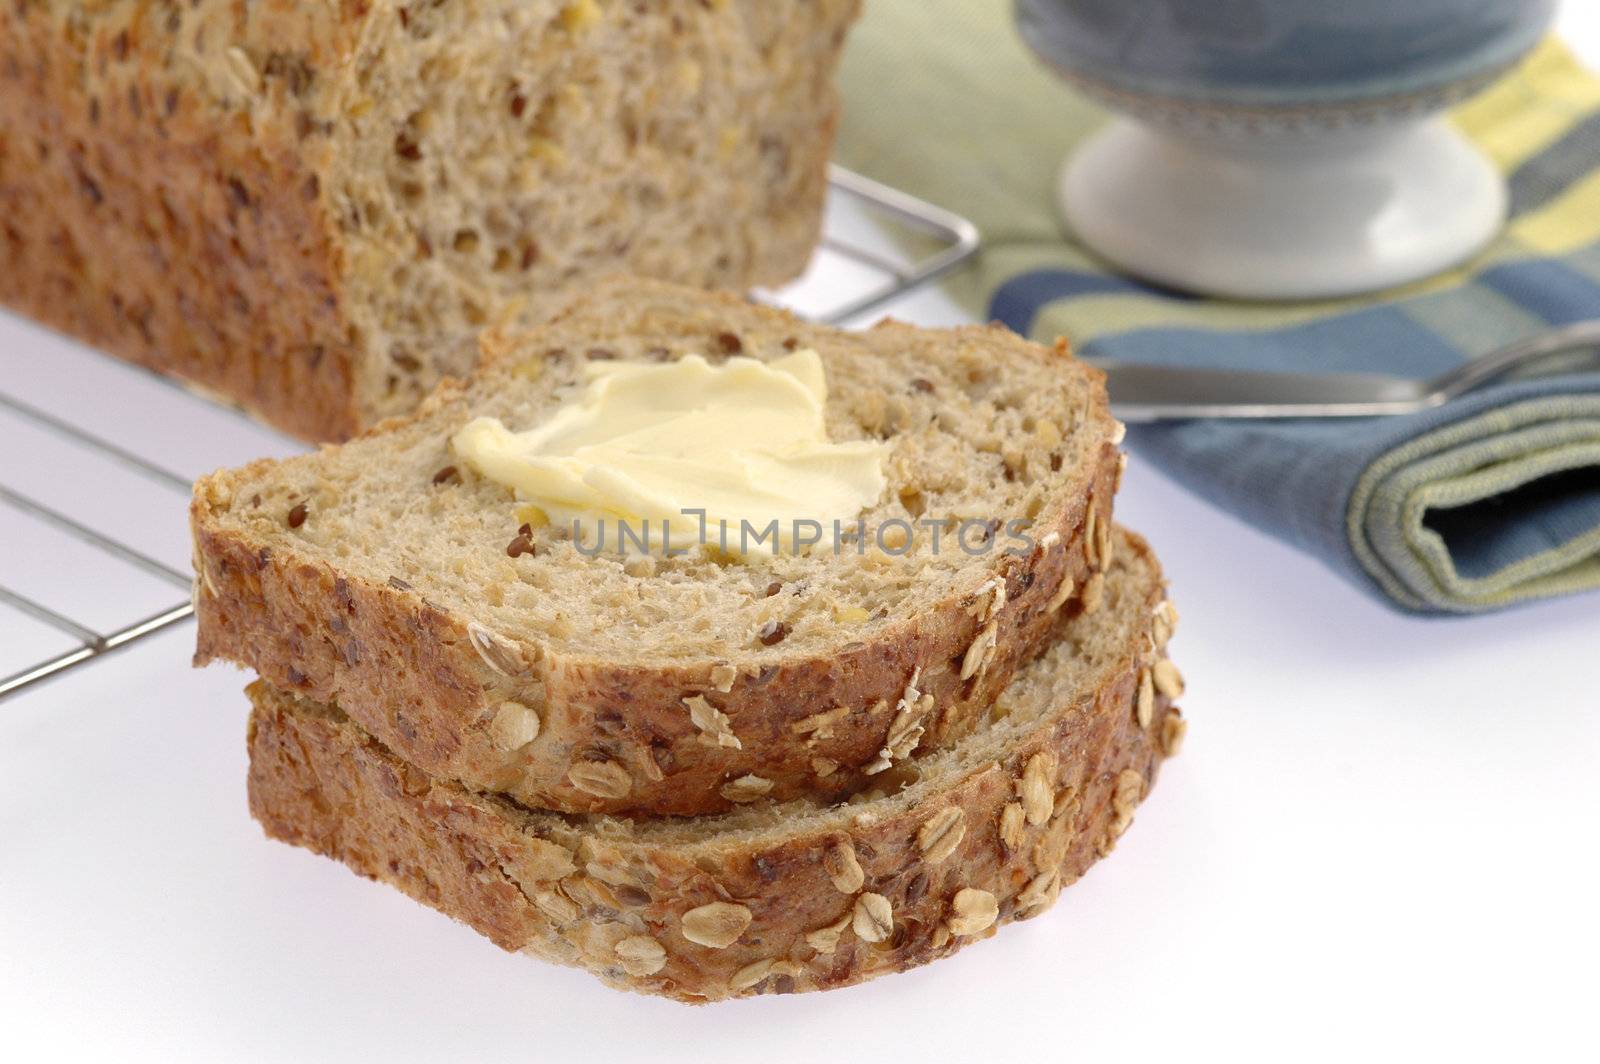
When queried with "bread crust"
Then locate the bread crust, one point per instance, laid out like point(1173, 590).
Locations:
point(166, 192)
point(427, 683)
point(619, 903)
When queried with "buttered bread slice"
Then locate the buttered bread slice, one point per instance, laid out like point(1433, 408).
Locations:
point(452, 580)
point(774, 898)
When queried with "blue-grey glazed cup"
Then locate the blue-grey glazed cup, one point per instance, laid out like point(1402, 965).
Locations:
point(1282, 53)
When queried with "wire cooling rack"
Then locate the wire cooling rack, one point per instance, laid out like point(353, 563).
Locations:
point(75, 585)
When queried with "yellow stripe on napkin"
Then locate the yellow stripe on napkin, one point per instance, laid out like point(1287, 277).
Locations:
point(1532, 107)
point(1568, 223)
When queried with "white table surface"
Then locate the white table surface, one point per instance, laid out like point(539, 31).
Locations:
point(1380, 840)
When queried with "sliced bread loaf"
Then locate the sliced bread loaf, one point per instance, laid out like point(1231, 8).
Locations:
point(775, 899)
point(313, 208)
point(385, 576)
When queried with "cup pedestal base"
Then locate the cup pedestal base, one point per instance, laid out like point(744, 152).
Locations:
point(1282, 215)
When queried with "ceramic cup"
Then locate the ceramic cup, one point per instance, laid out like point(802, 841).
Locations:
point(1281, 149)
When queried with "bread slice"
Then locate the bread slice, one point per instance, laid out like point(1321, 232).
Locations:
point(376, 575)
point(775, 899)
point(312, 209)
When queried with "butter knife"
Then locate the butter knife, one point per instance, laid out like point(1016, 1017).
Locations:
point(1141, 392)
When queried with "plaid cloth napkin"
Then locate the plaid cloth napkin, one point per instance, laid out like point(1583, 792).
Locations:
point(1488, 501)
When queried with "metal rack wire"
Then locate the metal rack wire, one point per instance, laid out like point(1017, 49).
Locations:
point(881, 273)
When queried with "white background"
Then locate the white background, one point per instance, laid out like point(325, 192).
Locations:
point(1381, 840)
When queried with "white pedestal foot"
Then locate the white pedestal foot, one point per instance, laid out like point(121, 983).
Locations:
point(1280, 215)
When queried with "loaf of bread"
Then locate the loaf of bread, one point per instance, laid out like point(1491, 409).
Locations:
point(775, 898)
point(312, 208)
point(386, 577)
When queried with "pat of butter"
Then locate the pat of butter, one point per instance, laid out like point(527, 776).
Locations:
point(647, 445)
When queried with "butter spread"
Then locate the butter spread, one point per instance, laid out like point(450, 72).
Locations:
point(646, 447)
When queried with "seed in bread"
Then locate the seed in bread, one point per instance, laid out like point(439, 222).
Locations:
point(1168, 680)
point(603, 779)
point(1036, 788)
point(826, 939)
point(717, 925)
point(972, 911)
point(641, 955)
point(713, 723)
point(1144, 702)
point(873, 920)
point(844, 869)
point(746, 788)
point(940, 836)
